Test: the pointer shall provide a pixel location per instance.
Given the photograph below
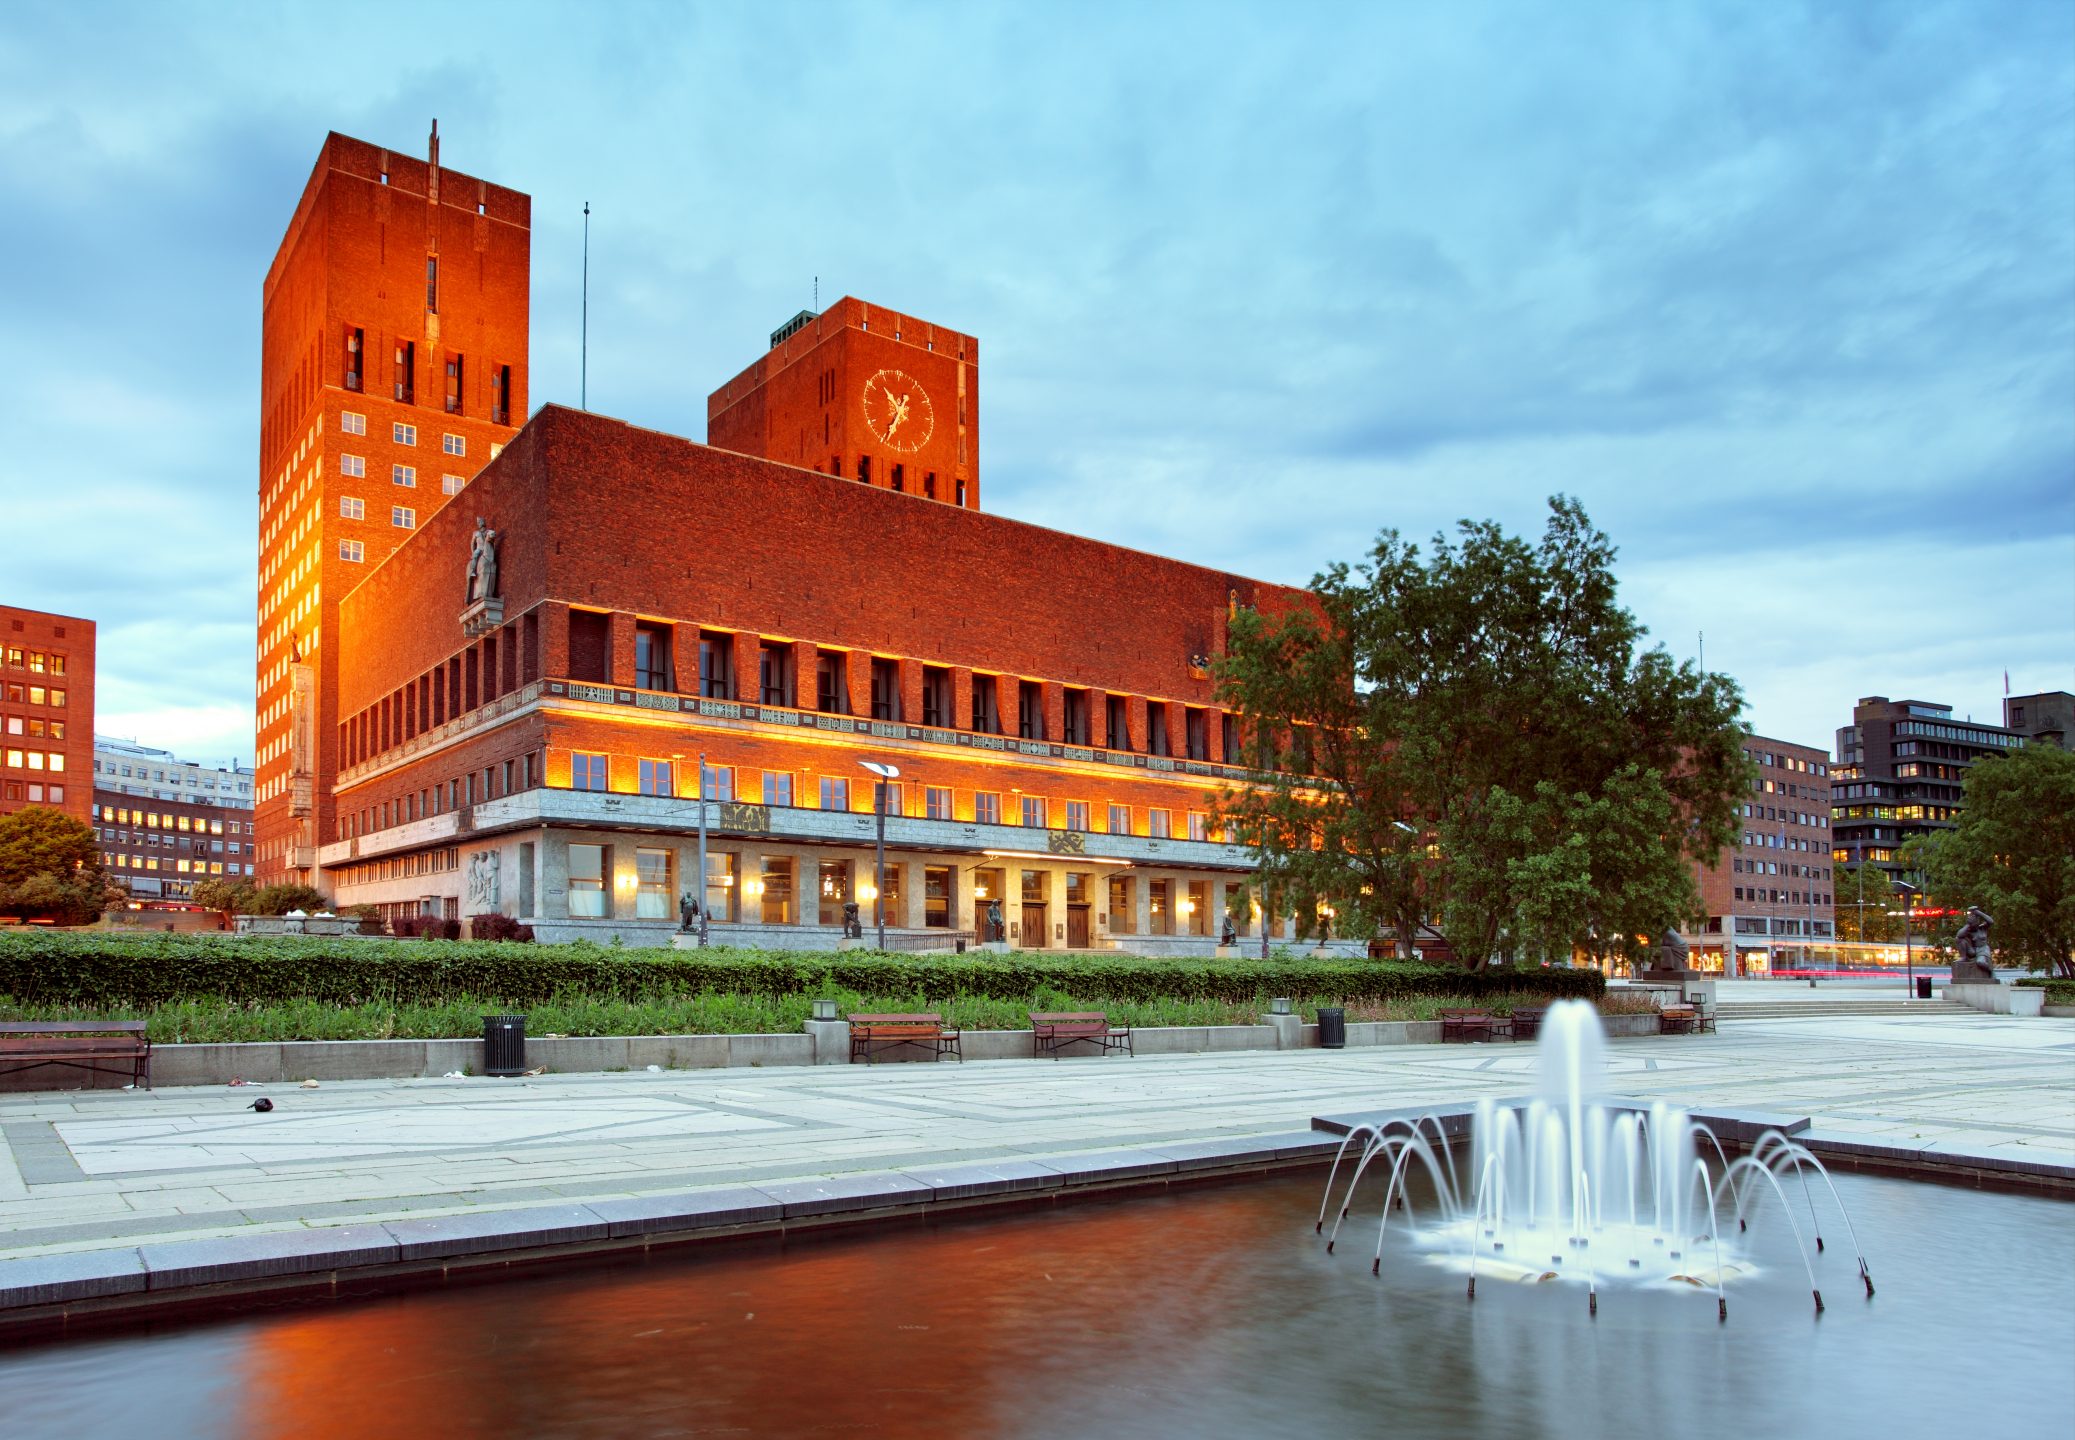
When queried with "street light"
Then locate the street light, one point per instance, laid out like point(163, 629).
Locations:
point(1909, 894)
point(885, 772)
point(677, 759)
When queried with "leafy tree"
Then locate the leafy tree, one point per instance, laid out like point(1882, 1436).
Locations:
point(1474, 735)
point(1863, 895)
point(280, 899)
point(50, 868)
point(227, 897)
point(2012, 852)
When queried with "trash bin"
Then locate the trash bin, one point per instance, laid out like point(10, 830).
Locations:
point(1923, 987)
point(504, 1044)
point(1332, 1027)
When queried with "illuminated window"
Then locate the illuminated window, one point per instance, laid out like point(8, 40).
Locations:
point(655, 777)
point(1077, 815)
point(986, 807)
point(835, 793)
point(352, 507)
point(587, 881)
point(652, 884)
point(587, 771)
point(720, 783)
point(778, 788)
point(1159, 824)
point(1120, 819)
point(1034, 812)
point(936, 802)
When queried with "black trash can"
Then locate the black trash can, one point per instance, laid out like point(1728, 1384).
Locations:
point(1923, 987)
point(1332, 1027)
point(504, 1044)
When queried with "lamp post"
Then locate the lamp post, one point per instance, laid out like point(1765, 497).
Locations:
point(1909, 893)
point(885, 772)
point(704, 892)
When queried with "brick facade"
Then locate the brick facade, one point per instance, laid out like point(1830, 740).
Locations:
point(386, 256)
point(1770, 895)
point(46, 712)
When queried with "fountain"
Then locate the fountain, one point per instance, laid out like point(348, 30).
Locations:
point(1572, 1186)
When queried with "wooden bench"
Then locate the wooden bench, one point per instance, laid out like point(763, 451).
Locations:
point(1465, 1025)
point(888, 1032)
point(105, 1047)
point(1677, 1020)
point(1051, 1031)
point(1526, 1021)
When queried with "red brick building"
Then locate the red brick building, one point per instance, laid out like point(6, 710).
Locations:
point(534, 751)
point(393, 365)
point(865, 393)
point(1769, 902)
point(46, 712)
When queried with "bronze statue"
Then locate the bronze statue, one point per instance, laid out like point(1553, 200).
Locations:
point(853, 929)
point(1671, 953)
point(995, 931)
point(1972, 964)
point(687, 912)
point(1229, 937)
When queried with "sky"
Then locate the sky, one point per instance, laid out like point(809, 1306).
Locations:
point(1784, 293)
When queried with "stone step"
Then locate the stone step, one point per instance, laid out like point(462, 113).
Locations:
point(1808, 1009)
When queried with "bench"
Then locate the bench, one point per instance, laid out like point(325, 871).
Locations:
point(105, 1047)
point(1051, 1031)
point(1465, 1025)
point(1526, 1021)
point(890, 1032)
point(1677, 1020)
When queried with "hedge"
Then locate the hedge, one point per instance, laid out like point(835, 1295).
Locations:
point(101, 969)
point(2058, 991)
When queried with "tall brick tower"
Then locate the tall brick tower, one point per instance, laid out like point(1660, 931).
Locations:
point(393, 368)
point(865, 393)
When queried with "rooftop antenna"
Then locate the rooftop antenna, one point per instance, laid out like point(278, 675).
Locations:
point(817, 294)
point(583, 372)
point(1703, 652)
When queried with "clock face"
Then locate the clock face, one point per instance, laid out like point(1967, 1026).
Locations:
point(898, 410)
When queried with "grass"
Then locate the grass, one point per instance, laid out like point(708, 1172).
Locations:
point(207, 1021)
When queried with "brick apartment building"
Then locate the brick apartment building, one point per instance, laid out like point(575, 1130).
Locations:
point(1045, 697)
point(46, 712)
point(393, 365)
point(1769, 902)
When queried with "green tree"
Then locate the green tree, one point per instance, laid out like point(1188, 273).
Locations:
point(280, 899)
point(1863, 895)
point(2012, 852)
point(226, 897)
point(1476, 736)
point(50, 868)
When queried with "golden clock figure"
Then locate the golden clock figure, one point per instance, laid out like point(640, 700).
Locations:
point(898, 411)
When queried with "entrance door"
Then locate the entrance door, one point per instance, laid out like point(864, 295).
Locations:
point(1077, 927)
point(1034, 936)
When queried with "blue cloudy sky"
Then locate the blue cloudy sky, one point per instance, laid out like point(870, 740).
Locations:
point(1785, 292)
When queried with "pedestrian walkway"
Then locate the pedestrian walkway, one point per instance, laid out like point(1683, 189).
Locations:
point(91, 1170)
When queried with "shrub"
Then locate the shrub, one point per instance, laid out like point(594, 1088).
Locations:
point(498, 927)
point(103, 968)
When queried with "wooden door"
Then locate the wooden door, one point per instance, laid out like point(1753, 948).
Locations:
point(1077, 927)
point(1035, 934)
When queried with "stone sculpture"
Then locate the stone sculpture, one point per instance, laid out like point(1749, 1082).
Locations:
point(853, 929)
point(482, 881)
point(1972, 964)
point(995, 930)
point(1671, 954)
point(482, 563)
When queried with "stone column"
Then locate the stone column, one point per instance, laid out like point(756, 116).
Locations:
point(961, 697)
point(806, 674)
point(621, 648)
point(911, 691)
point(1135, 721)
point(1055, 711)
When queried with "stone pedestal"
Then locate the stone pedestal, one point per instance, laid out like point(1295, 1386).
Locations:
point(994, 947)
point(1289, 1030)
point(831, 1039)
point(1972, 972)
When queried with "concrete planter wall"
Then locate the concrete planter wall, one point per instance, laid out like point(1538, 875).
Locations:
point(2000, 999)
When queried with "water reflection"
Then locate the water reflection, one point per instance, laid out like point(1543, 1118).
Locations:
point(1209, 1313)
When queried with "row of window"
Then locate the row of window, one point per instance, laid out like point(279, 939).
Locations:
point(354, 467)
point(36, 662)
point(35, 793)
point(353, 423)
point(177, 867)
point(593, 771)
point(34, 728)
point(1796, 817)
point(35, 695)
point(51, 760)
point(517, 774)
point(1767, 896)
point(1775, 867)
point(403, 373)
point(159, 820)
point(1772, 759)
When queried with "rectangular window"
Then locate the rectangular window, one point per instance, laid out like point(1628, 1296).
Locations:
point(1199, 825)
point(1156, 729)
point(720, 784)
point(831, 694)
point(936, 802)
point(986, 709)
point(1077, 815)
point(405, 475)
point(721, 882)
point(1196, 733)
point(587, 881)
point(500, 398)
point(353, 465)
point(356, 347)
point(775, 675)
point(352, 423)
point(432, 283)
point(403, 517)
point(453, 444)
point(1123, 917)
point(403, 434)
point(451, 484)
point(652, 898)
point(1158, 825)
point(1228, 733)
point(835, 793)
point(1076, 718)
point(1030, 710)
point(1120, 819)
point(778, 788)
point(1117, 727)
point(900, 478)
point(454, 375)
point(655, 778)
point(936, 696)
point(716, 666)
point(1034, 812)
point(352, 507)
point(936, 896)
point(652, 645)
point(886, 689)
point(777, 891)
point(986, 807)
point(587, 771)
point(352, 550)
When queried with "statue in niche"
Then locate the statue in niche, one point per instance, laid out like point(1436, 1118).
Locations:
point(482, 563)
point(1971, 963)
point(853, 928)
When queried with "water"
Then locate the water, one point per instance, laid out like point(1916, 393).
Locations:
point(1211, 1312)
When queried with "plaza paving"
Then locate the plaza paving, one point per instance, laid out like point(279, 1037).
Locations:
point(109, 1169)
